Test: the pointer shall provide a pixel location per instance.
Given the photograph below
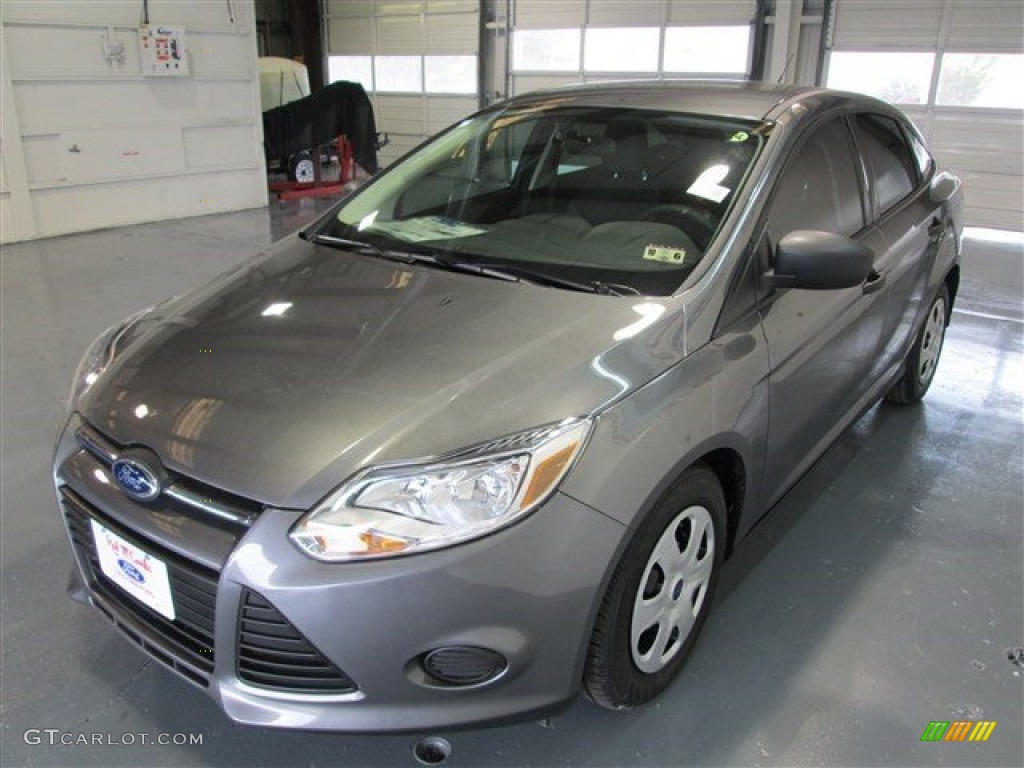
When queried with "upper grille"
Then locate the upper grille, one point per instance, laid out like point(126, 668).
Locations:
point(183, 492)
point(274, 654)
point(185, 644)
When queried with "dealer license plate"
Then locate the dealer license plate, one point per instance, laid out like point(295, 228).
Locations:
point(137, 572)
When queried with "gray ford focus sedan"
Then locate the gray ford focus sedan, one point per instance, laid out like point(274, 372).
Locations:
point(483, 435)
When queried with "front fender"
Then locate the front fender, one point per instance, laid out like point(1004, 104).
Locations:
point(715, 398)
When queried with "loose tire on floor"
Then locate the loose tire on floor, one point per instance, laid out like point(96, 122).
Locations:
point(659, 595)
point(924, 355)
point(300, 167)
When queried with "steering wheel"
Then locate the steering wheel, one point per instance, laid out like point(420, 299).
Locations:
point(696, 223)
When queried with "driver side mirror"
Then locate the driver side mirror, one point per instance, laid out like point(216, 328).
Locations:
point(820, 261)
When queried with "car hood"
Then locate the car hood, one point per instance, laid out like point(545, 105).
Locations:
point(280, 379)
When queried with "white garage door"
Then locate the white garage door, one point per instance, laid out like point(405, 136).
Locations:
point(555, 42)
point(956, 67)
point(419, 61)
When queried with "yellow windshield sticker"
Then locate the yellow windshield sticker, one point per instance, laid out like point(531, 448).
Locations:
point(665, 253)
point(739, 137)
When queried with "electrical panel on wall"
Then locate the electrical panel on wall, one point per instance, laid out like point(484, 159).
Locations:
point(162, 51)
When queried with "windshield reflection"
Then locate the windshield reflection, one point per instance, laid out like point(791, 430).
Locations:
point(582, 195)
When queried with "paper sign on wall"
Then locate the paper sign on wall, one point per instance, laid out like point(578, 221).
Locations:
point(162, 51)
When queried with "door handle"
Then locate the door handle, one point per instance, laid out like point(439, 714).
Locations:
point(874, 282)
point(937, 230)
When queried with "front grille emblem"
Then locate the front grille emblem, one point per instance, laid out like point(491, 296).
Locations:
point(136, 479)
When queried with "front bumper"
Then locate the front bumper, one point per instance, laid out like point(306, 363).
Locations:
point(527, 592)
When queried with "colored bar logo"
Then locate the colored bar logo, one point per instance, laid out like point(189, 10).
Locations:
point(959, 730)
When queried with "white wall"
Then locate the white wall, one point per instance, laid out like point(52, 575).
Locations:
point(90, 144)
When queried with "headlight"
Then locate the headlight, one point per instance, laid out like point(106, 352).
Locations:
point(101, 353)
point(412, 508)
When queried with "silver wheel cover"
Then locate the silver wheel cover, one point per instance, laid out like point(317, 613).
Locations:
point(931, 342)
point(672, 589)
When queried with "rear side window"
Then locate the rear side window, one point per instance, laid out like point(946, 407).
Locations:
point(890, 162)
point(818, 188)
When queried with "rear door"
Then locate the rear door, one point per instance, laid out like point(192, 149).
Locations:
point(911, 226)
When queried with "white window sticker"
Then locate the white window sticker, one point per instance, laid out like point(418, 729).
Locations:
point(664, 253)
point(709, 184)
point(427, 228)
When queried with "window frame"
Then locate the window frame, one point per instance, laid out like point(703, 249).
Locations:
point(797, 145)
point(759, 256)
point(877, 213)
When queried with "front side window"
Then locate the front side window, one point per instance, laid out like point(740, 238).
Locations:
point(610, 195)
point(891, 165)
point(818, 188)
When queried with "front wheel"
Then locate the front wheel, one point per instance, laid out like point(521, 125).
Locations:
point(924, 355)
point(659, 595)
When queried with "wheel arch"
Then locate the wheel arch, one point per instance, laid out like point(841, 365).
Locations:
point(727, 464)
point(729, 468)
point(952, 285)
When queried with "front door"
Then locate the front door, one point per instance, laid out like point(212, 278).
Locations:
point(821, 343)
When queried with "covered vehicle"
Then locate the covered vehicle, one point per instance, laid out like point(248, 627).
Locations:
point(483, 435)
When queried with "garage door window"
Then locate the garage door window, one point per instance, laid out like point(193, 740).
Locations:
point(896, 77)
point(354, 69)
point(710, 50)
point(629, 49)
point(449, 74)
point(398, 74)
point(546, 50)
point(818, 188)
point(890, 162)
point(981, 80)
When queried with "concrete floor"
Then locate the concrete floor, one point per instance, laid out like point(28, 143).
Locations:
point(882, 593)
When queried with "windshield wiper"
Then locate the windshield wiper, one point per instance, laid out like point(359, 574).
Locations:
point(510, 272)
point(369, 249)
point(542, 278)
point(412, 257)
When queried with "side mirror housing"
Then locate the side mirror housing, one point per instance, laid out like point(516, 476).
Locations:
point(943, 187)
point(820, 261)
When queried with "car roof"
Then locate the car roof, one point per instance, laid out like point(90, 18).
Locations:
point(722, 98)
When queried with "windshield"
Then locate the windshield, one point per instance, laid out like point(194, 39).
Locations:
point(588, 196)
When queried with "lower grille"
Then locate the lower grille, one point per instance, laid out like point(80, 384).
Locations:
point(185, 644)
point(272, 653)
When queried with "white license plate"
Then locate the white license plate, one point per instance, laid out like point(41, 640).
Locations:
point(137, 572)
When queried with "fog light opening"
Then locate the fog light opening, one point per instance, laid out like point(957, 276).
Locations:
point(463, 666)
point(433, 750)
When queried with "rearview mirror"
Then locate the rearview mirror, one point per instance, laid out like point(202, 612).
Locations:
point(817, 261)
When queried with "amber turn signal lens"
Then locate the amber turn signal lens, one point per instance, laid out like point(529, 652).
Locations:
point(547, 473)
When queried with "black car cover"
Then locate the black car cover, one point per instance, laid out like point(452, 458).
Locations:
point(339, 108)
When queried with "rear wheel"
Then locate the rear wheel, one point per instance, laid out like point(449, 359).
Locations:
point(659, 596)
point(924, 355)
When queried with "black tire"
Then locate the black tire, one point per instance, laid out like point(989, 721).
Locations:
point(924, 355)
point(613, 677)
point(300, 167)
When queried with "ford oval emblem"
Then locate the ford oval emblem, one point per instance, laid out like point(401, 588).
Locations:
point(136, 479)
point(131, 571)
